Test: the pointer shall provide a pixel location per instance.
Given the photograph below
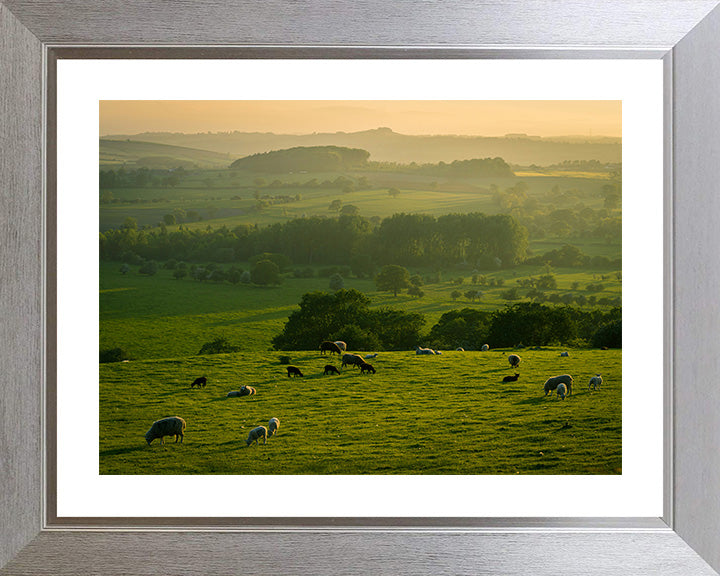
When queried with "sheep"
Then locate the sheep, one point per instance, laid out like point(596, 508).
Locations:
point(511, 378)
point(330, 369)
point(273, 426)
point(247, 391)
point(340, 344)
point(329, 346)
point(256, 434)
point(595, 382)
point(485, 348)
point(294, 371)
point(514, 360)
point(369, 356)
point(552, 383)
point(171, 426)
point(459, 349)
point(199, 382)
point(561, 391)
point(564, 354)
point(365, 367)
point(351, 359)
point(420, 351)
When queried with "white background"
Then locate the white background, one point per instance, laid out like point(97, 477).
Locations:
point(83, 492)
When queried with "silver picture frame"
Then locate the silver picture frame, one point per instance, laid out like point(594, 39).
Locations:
point(684, 34)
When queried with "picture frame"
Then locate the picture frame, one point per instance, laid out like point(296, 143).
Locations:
point(683, 33)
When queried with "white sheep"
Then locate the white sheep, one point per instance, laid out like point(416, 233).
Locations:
point(459, 349)
point(244, 391)
point(421, 351)
point(514, 360)
point(485, 348)
point(552, 383)
point(595, 382)
point(256, 434)
point(368, 356)
point(273, 426)
point(172, 426)
point(340, 344)
point(561, 391)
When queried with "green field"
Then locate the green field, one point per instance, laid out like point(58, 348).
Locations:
point(448, 414)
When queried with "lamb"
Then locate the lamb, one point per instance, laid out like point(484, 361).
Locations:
point(365, 367)
point(172, 426)
point(369, 356)
point(514, 360)
point(564, 354)
point(485, 348)
point(351, 359)
point(459, 349)
point(420, 351)
point(294, 371)
point(561, 391)
point(552, 383)
point(273, 426)
point(329, 346)
point(256, 434)
point(247, 391)
point(595, 382)
point(199, 382)
point(340, 344)
point(330, 369)
point(511, 378)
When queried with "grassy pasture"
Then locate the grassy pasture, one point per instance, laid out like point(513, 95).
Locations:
point(160, 317)
point(448, 414)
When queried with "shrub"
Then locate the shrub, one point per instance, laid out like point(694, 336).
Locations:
point(113, 355)
point(218, 346)
point(285, 359)
point(336, 282)
point(150, 268)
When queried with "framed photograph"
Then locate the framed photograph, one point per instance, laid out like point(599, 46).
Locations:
point(213, 151)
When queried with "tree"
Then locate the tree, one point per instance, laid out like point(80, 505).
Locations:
point(362, 265)
point(349, 210)
point(394, 192)
point(392, 278)
point(265, 272)
point(129, 224)
point(169, 219)
point(179, 274)
point(335, 205)
point(150, 268)
point(415, 291)
point(455, 294)
point(336, 282)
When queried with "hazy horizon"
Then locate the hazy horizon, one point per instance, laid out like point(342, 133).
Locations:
point(481, 118)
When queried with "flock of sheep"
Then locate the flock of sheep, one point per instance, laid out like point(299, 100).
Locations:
point(175, 426)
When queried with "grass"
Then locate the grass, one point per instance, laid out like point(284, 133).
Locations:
point(448, 414)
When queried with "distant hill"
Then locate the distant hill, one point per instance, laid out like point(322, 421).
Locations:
point(139, 154)
point(384, 145)
point(311, 159)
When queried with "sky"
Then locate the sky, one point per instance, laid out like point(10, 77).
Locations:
point(463, 117)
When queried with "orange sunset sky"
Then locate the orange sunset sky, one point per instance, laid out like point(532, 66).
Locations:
point(464, 117)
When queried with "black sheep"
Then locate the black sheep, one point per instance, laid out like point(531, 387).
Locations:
point(199, 382)
point(331, 346)
point(293, 371)
point(511, 378)
point(365, 367)
point(330, 369)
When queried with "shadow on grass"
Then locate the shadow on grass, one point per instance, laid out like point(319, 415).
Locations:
point(121, 451)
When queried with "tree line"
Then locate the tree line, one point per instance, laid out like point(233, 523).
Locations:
point(405, 239)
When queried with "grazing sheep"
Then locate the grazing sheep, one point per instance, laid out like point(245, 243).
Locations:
point(420, 351)
point(485, 348)
point(256, 434)
point(331, 347)
point(595, 382)
point(273, 426)
point(351, 360)
point(561, 391)
point(511, 378)
point(294, 371)
point(552, 383)
point(247, 391)
point(459, 349)
point(365, 367)
point(199, 382)
point(330, 369)
point(340, 344)
point(564, 354)
point(368, 356)
point(514, 360)
point(172, 426)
